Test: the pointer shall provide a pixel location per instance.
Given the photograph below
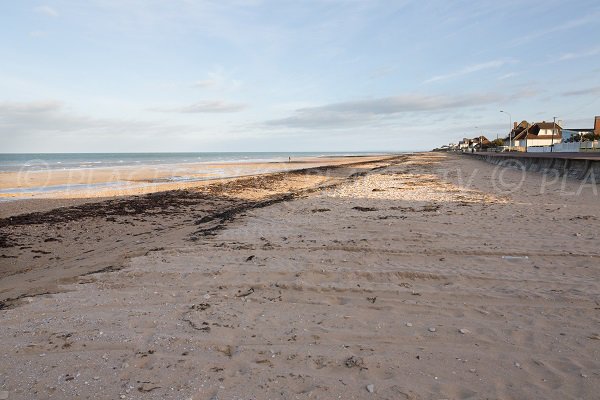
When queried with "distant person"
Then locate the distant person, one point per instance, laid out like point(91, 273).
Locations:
point(289, 159)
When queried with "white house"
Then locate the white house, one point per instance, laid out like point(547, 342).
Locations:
point(463, 145)
point(539, 134)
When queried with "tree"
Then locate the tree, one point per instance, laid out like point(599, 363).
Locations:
point(588, 137)
point(497, 143)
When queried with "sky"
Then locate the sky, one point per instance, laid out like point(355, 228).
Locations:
point(314, 75)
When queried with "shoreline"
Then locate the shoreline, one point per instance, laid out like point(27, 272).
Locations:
point(136, 180)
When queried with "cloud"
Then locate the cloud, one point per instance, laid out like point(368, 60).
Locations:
point(206, 83)
point(350, 113)
point(507, 76)
point(558, 27)
point(7, 108)
point(210, 106)
point(318, 119)
point(581, 54)
point(382, 71)
point(471, 69)
point(46, 10)
point(583, 92)
point(42, 116)
point(22, 120)
point(218, 78)
point(38, 34)
point(48, 126)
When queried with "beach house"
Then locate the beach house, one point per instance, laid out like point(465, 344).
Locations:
point(536, 135)
point(463, 145)
point(518, 134)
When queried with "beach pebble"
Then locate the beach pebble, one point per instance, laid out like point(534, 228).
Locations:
point(432, 329)
point(517, 365)
point(582, 375)
point(473, 370)
point(371, 388)
point(464, 331)
point(408, 324)
point(4, 395)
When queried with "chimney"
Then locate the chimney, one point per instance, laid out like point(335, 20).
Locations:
point(560, 123)
point(515, 125)
point(597, 126)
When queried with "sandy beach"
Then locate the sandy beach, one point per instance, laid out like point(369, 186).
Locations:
point(420, 276)
point(105, 182)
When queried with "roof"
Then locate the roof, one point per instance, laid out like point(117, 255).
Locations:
point(481, 139)
point(516, 131)
point(579, 130)
point(521, 135)
point(548, 125)
point(538, 126)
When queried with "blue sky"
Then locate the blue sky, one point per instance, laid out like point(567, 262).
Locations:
point(252, 75)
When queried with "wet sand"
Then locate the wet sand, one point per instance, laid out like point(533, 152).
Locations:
point(86, 183)
point(416, 277)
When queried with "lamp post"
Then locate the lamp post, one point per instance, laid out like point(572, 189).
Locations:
point(510, 129)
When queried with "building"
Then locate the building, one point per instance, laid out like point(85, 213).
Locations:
point(463, 145)
point(478, 143)
point(518, 135)
point(573, 135)
point(576, 134)
point(536, 135)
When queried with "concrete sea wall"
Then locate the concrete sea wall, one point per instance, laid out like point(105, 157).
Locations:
point(575, 167)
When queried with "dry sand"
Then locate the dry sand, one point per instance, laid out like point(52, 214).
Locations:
point(413, 278)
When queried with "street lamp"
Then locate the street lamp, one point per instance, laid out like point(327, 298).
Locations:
point(510, 130)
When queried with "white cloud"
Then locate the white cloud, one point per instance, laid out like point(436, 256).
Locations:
point(47, 126)
point(469, 69)
point(583, 92)
point(559, 27)
point(18, 118)
point(218, 78)
point(209, 106)
point(7, 108)
point(363, 112)
point(507, 76)
point(21, 120)
point(206, 83)
point(46, 10)
point(581, 54)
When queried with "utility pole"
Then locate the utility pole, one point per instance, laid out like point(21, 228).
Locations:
point(553, 129)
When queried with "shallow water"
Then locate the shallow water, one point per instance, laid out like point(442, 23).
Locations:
point(66, 161)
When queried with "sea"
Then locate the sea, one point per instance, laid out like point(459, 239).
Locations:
point(80, 164)
point(45, 161)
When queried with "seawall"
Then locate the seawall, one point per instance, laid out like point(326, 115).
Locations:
point(581, 166)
